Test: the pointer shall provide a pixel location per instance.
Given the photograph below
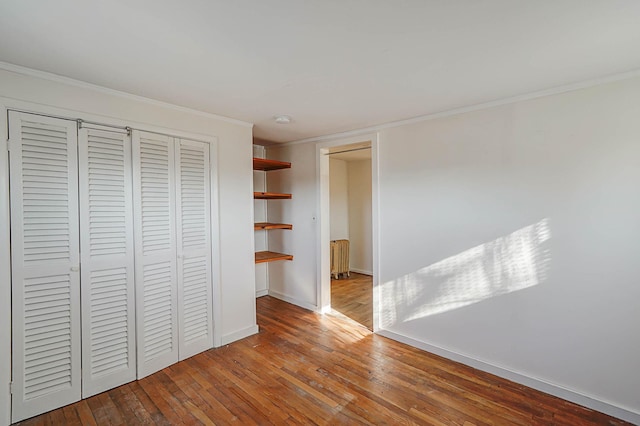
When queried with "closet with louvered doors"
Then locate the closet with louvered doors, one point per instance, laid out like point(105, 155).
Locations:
point(111, 257)
point(173, 245)
point(72, 262)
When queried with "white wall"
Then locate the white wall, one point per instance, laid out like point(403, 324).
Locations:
point(339, 199)
point(509, 239)
point(294, 280)
point(236, 276)
point(361, 255)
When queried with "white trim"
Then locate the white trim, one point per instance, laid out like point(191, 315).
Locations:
point(532, 382)
point(375, 229)
point(469, 108)
point(323, 226)
point(323, 255)
point(293, 301)
point(240, 334)
point(260, 293)
point(84, 85)
point(5, 276)
point(361, 271)
point(216, 279)
point(326, 310)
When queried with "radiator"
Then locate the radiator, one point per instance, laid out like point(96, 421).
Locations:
point(339, 258)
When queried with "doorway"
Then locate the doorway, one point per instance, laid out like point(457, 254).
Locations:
point(348, 211)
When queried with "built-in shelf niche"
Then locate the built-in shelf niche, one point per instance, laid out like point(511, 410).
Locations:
point(265, 165)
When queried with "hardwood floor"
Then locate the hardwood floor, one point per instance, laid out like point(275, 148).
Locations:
point(304, 368)
point(353, 298)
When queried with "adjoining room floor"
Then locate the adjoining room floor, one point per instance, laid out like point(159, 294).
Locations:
point(353, 298)
point(305, 368)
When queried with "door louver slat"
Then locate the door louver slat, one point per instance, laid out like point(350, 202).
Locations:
point(40, 372)
point(158, 310)
point(45, 166)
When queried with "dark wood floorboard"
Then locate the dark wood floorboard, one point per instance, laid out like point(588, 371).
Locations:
point(353, 297)
point(304, 368)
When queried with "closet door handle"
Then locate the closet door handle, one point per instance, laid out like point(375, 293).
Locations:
point(75, 268)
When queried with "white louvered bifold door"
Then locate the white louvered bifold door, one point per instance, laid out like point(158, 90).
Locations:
point(194, 247)
point(45, 264)
point(107, 275)
point(155, 241)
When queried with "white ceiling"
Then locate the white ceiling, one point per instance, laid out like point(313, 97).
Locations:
point(332, 65)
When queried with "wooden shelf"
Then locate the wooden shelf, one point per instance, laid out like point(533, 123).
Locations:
point(271, 256)
point(259, 226)
point(267, 165)
point(271, 196)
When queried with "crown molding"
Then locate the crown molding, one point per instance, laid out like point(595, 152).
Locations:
point(18, 69)
point(470, 108)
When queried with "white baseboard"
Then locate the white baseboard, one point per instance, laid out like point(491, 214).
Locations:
point(555, 390)
point(261, 293)
point(240, 334)
point(293, 301)
point(361, 271)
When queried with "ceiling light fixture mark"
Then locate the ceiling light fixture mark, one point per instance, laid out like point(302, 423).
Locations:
point(282, 119)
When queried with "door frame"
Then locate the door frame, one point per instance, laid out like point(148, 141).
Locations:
point(5, 274)
point(323, 281)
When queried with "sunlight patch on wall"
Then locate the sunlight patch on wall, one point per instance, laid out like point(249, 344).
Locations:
point(510, 263)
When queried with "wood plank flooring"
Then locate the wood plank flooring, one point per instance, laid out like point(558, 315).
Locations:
point(304, 368)
point(353, 298)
